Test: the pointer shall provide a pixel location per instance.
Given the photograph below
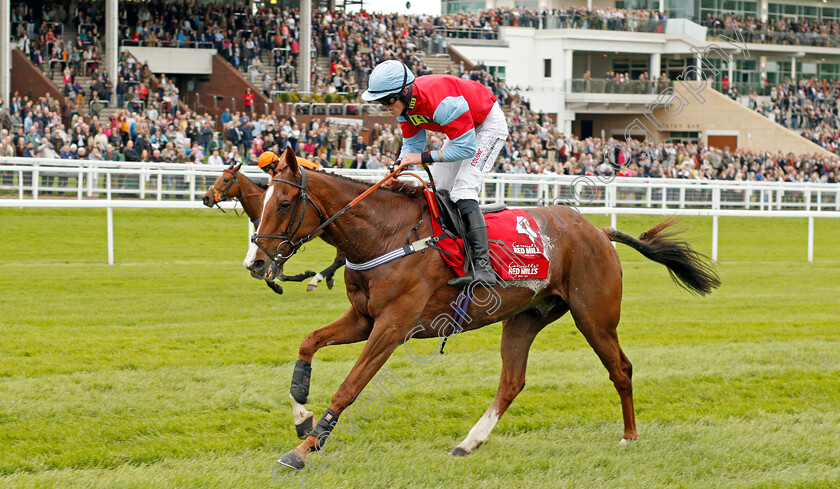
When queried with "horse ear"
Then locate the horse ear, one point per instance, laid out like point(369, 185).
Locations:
point(236, 168)
point(291, 160)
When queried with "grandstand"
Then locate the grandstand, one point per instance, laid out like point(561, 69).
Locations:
point(742, 90)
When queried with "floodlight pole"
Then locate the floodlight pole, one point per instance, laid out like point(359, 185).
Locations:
point(5, 51)
point(304, 57)
point(112, 48)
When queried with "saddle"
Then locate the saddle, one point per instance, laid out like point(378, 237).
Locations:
point(450, 218)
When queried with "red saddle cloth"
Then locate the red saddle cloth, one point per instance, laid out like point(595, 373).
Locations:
point(518, 252)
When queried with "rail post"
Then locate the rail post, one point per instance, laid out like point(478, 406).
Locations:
point(716, 207)
point(110, 219)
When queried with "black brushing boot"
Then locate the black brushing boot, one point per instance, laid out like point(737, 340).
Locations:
point(480, 268)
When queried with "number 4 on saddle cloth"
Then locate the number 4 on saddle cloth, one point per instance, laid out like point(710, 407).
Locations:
point(517, 250)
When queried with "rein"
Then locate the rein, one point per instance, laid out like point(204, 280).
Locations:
point(288, 236)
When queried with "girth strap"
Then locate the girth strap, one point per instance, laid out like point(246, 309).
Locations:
point(392, 255)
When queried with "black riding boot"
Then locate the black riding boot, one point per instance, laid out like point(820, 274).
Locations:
point(480, 268)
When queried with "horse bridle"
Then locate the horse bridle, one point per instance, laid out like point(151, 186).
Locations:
point(222, 196)
point(288, 237)
point(277, 258)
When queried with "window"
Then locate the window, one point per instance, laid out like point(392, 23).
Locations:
point(746, 71)
point(679, 9)
point(674, 67)
point(638, 4)
point(462, 6)
point(728, 7)
point(829, 71)
point(497, 70)
point(633, 67)
point(684, 137)
point(547, 68)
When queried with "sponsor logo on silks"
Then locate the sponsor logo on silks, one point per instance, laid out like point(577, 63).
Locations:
point(418, 119)
point(514, 270)
point(476, 157)
point(412, 102)
point(523, 226)
point(526, 249)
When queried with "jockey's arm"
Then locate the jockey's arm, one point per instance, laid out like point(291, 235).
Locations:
point(453, 114)
point(414, 139)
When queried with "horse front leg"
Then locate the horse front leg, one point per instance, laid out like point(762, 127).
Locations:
point(351, 327)
point(327, 273)
point(389, 331)
point(299, 277)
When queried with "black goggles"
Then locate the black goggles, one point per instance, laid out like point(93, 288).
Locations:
point(271, 166)
point(389, 99)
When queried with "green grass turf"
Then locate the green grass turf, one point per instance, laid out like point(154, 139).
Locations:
point(172, 368)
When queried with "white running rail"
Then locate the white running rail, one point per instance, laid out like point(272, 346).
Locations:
point(33, 182)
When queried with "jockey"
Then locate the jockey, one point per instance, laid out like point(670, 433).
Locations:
point(467, 112)
point(269, 162)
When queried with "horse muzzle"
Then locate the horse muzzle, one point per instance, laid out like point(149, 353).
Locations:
point(262, 269)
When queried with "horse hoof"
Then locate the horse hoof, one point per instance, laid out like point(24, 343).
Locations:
point(330, 283)
point(305, 427)
point(316, 278)
point(458, 452)
point(292, 460)
point(624, 442)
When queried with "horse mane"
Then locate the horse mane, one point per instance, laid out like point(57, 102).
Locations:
point(252, 182)
point(400, 188)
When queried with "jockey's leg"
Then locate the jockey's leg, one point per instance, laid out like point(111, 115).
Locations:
point(465, 192)
point(480, 270)
point(444, 173)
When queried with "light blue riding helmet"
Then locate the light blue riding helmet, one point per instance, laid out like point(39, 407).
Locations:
point(388, 78)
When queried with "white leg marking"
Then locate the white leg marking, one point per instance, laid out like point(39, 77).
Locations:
point(623, 442)
point(479, 433)
point(299, 410)
point(252, 248)
point(316, 280)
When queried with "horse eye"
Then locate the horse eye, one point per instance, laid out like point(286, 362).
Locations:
point(284, 206)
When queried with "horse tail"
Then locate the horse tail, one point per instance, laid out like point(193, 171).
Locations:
point(688, 268)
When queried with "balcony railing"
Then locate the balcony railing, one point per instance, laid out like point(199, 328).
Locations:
point(581, 85)
point(583, 21)
point(764, 36)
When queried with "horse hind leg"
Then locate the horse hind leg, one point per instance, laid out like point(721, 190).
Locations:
point(518, 333)
point(598, 325)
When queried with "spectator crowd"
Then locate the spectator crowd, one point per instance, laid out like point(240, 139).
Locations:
point(535, 146)
point(809, 107)
point(791, 30)
point(151, 126)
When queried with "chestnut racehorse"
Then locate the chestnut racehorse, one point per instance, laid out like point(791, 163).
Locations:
point(407, 297)
point(234, 185)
